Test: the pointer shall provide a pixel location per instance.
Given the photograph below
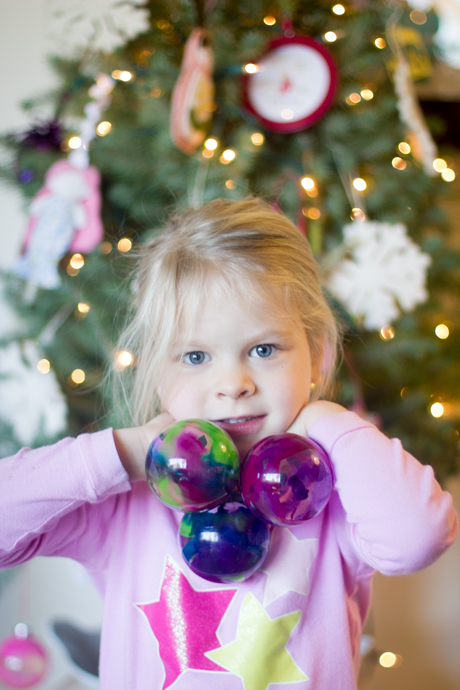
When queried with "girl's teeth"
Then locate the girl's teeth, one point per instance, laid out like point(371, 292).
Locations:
point(236, 421)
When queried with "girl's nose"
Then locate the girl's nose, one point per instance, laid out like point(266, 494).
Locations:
point(235, 384)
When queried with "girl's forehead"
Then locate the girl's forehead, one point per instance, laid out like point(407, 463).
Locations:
point(227, 308)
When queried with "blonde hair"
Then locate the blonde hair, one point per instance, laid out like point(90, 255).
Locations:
point(239, 243)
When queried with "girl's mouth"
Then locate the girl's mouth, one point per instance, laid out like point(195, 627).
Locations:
point(239, 426)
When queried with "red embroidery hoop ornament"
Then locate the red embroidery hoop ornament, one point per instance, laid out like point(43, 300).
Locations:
point(296, 76)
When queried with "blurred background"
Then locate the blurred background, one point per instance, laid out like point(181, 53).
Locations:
point(366, 164)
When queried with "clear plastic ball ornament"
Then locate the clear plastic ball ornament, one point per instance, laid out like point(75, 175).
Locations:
point(226, 544)
point(23, 660)
point(192, 465)
point(286, 479)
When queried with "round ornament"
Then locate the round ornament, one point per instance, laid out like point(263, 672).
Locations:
point(227, 544)
point(286, 479)
point(192, 465)
point(293, 86)
point(23, 660)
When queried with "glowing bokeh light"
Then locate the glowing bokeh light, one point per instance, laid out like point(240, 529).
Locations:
point(359, 184)
point(74, 142)
point(77, 261)
point(124, 245)
point(43, 366)
point(103, 128)
point(437, 409)
point(78, 376)
point(442, 331)
point(257, 139)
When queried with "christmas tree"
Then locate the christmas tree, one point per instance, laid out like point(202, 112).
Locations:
point(356, 175)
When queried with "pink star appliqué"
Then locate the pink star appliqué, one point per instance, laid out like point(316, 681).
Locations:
point(185, 622)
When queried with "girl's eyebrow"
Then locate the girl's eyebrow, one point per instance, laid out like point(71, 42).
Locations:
point(262, 336)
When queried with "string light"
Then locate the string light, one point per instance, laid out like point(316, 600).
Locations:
point(43, 366)
point(380, 43)
point(448, 175)
point(387, 333)
point(404, 147)
point(251, 68)
point(257, 139)
point(124, 358)
point(307, 183)
point(122, 75)
point(338, 9)
point(72, 272)
point(330, 36)
point(314, 213)
point(77, 261)
point(207, 153)
point(211, 144)
point(437, 409)
point(418, 17)
point(353, 98)
point(164, 25)
point(367, 94)
point(156, 93)
point(442, 331)
point(83, 307)
point(359, 184)
point(228, 156)
point(398, 163)
point(124, 245)
point(230, 184)
point(439, 164)
point(358, 215)
point(388, 659)
point(77, 376)
point(74, 142)
point(269, 21)
point(103, 128)
point(105, 247)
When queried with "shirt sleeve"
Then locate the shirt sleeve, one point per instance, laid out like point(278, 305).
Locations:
point(399, 520)
point(58, 500)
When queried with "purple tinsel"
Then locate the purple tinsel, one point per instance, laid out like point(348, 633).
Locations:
point(44, 136)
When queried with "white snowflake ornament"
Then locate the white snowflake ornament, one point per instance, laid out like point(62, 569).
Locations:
point(104, 25)
point(385, 273)
point(31, 402)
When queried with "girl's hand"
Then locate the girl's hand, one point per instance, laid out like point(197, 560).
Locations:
point(309, 414)
point(132, 444)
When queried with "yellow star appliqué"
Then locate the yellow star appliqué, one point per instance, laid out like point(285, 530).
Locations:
point(259, 655)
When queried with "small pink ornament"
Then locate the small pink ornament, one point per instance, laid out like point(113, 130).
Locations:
point(23, 660)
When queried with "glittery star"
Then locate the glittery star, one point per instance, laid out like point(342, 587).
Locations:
point(259, 655)
point(185, 621)
point(288, 564)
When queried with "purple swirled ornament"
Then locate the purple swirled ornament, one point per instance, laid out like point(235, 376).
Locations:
point(286, 479)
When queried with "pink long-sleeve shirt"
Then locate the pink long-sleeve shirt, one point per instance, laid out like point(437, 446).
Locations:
point(296, 621)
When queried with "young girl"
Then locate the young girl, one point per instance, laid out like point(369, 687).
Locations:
point(231, 326)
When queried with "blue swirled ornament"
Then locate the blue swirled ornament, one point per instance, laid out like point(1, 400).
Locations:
point(226, 544)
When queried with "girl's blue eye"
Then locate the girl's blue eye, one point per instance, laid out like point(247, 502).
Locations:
point(196, 357)
point(262, 350)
